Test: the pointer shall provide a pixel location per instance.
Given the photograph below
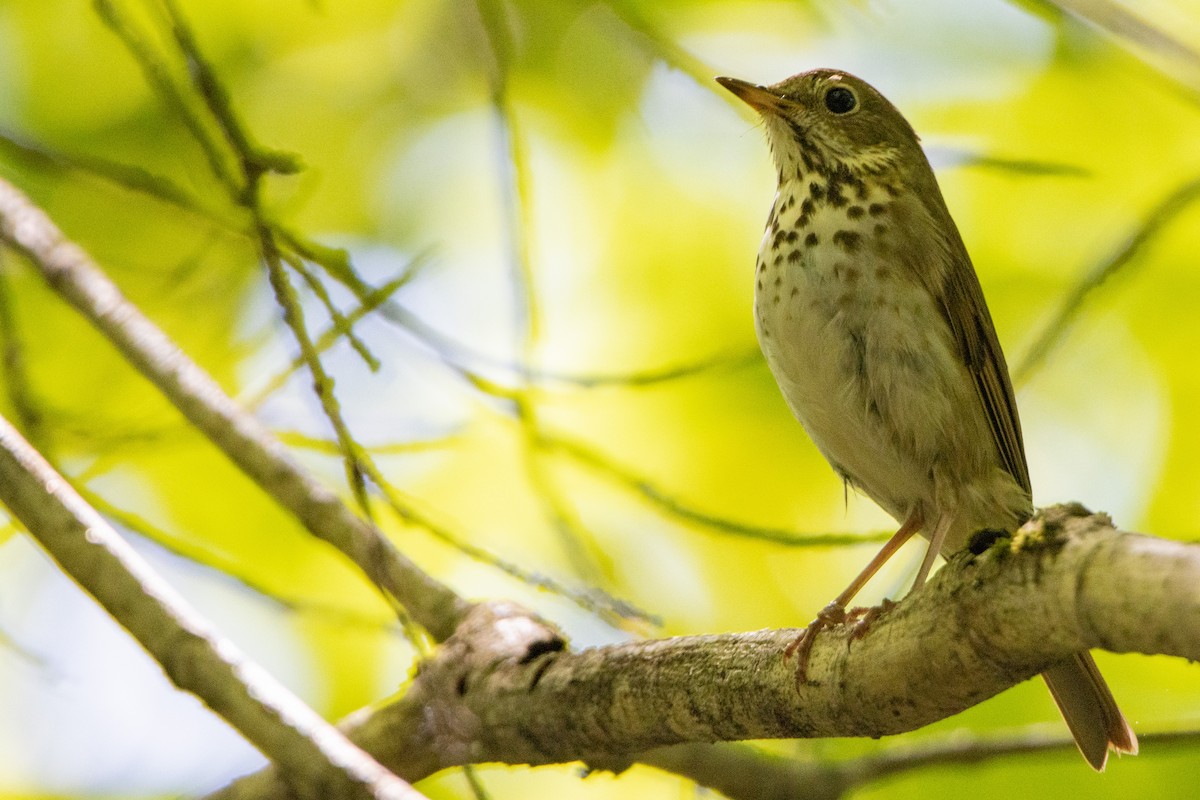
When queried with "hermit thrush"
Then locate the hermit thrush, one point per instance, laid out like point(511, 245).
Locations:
point(873, 322)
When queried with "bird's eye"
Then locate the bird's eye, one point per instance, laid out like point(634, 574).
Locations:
point(840, 100)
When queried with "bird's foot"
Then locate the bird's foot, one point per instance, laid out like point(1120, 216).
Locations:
point(864, 617)
point(801, 646)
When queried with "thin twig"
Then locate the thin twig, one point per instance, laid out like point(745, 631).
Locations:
point(1158, 218)
point(662, 43)
point(322, 381)
point(516, 189)
point(594, 600)
point(126, 176)
point(230, 568)
point(154, 69)
point(594, 459)
point(339, 320)
point(72, 274)
point(254, 159)
point(12, 362)
point(338, 329)
point(1177, 61)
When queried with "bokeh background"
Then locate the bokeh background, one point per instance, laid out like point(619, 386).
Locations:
point(570, 380)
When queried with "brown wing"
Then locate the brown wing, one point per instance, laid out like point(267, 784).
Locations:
point(966, 313)
point(945, 267)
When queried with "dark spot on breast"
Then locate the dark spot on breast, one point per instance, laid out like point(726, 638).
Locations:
point(835, 196)
point(775, 301)
point(816, 191)
point(794, 257)
point(802, 221)
point(880, 229)
point(792, 237)
point(807, 206)
point(778, 259)
point(778, 281)
point(849, 240)
point(850, 275)
point(876, 209)
point(811, 240)
point(795, 291)
point(760, 284)
point(860, 190)
point(891, 190)
point(778, 240)
point(855, 212)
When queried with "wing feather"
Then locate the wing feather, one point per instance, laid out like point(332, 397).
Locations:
point(946, 270)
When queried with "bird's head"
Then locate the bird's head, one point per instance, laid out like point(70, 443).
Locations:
point(827, 120)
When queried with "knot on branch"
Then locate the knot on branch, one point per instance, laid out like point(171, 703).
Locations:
point(497, 641)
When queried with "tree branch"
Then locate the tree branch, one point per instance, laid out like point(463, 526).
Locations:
point(75, 277)
point(319, 761)
point(506, 689)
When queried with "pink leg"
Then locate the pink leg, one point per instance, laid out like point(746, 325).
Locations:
point(935, 547)
point(835, 612)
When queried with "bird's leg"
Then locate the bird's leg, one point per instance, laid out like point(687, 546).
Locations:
point(936, 539)
point(863, 617)
point(835, 612)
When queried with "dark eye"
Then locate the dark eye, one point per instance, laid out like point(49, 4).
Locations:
point(840, 100)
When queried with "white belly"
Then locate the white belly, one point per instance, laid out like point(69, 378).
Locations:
point(866, 362)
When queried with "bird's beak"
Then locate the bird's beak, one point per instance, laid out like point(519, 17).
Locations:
point(760, 98)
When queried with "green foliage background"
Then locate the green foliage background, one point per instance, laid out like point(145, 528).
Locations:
point(584, 200)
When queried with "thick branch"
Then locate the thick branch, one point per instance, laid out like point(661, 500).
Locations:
point(202, 401)
point(505, 689)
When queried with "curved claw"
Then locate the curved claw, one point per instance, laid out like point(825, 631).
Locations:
point(801, 646)
point(865, 616)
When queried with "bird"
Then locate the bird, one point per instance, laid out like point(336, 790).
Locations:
point(873, 322)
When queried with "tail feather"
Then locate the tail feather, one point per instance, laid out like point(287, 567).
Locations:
point(1089, 709)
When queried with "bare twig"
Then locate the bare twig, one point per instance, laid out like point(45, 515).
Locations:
point(74, 276)
point(338, 329)
point(231, 570)
point(159, 77)
point(12, 361)
point(517, 187)
point(1056, 329)
point(594, 459)
point(611, 609)
point(1171, 56)
point(340, 321)
point(322, 381)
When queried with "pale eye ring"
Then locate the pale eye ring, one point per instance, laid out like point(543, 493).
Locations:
point(840, 100)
